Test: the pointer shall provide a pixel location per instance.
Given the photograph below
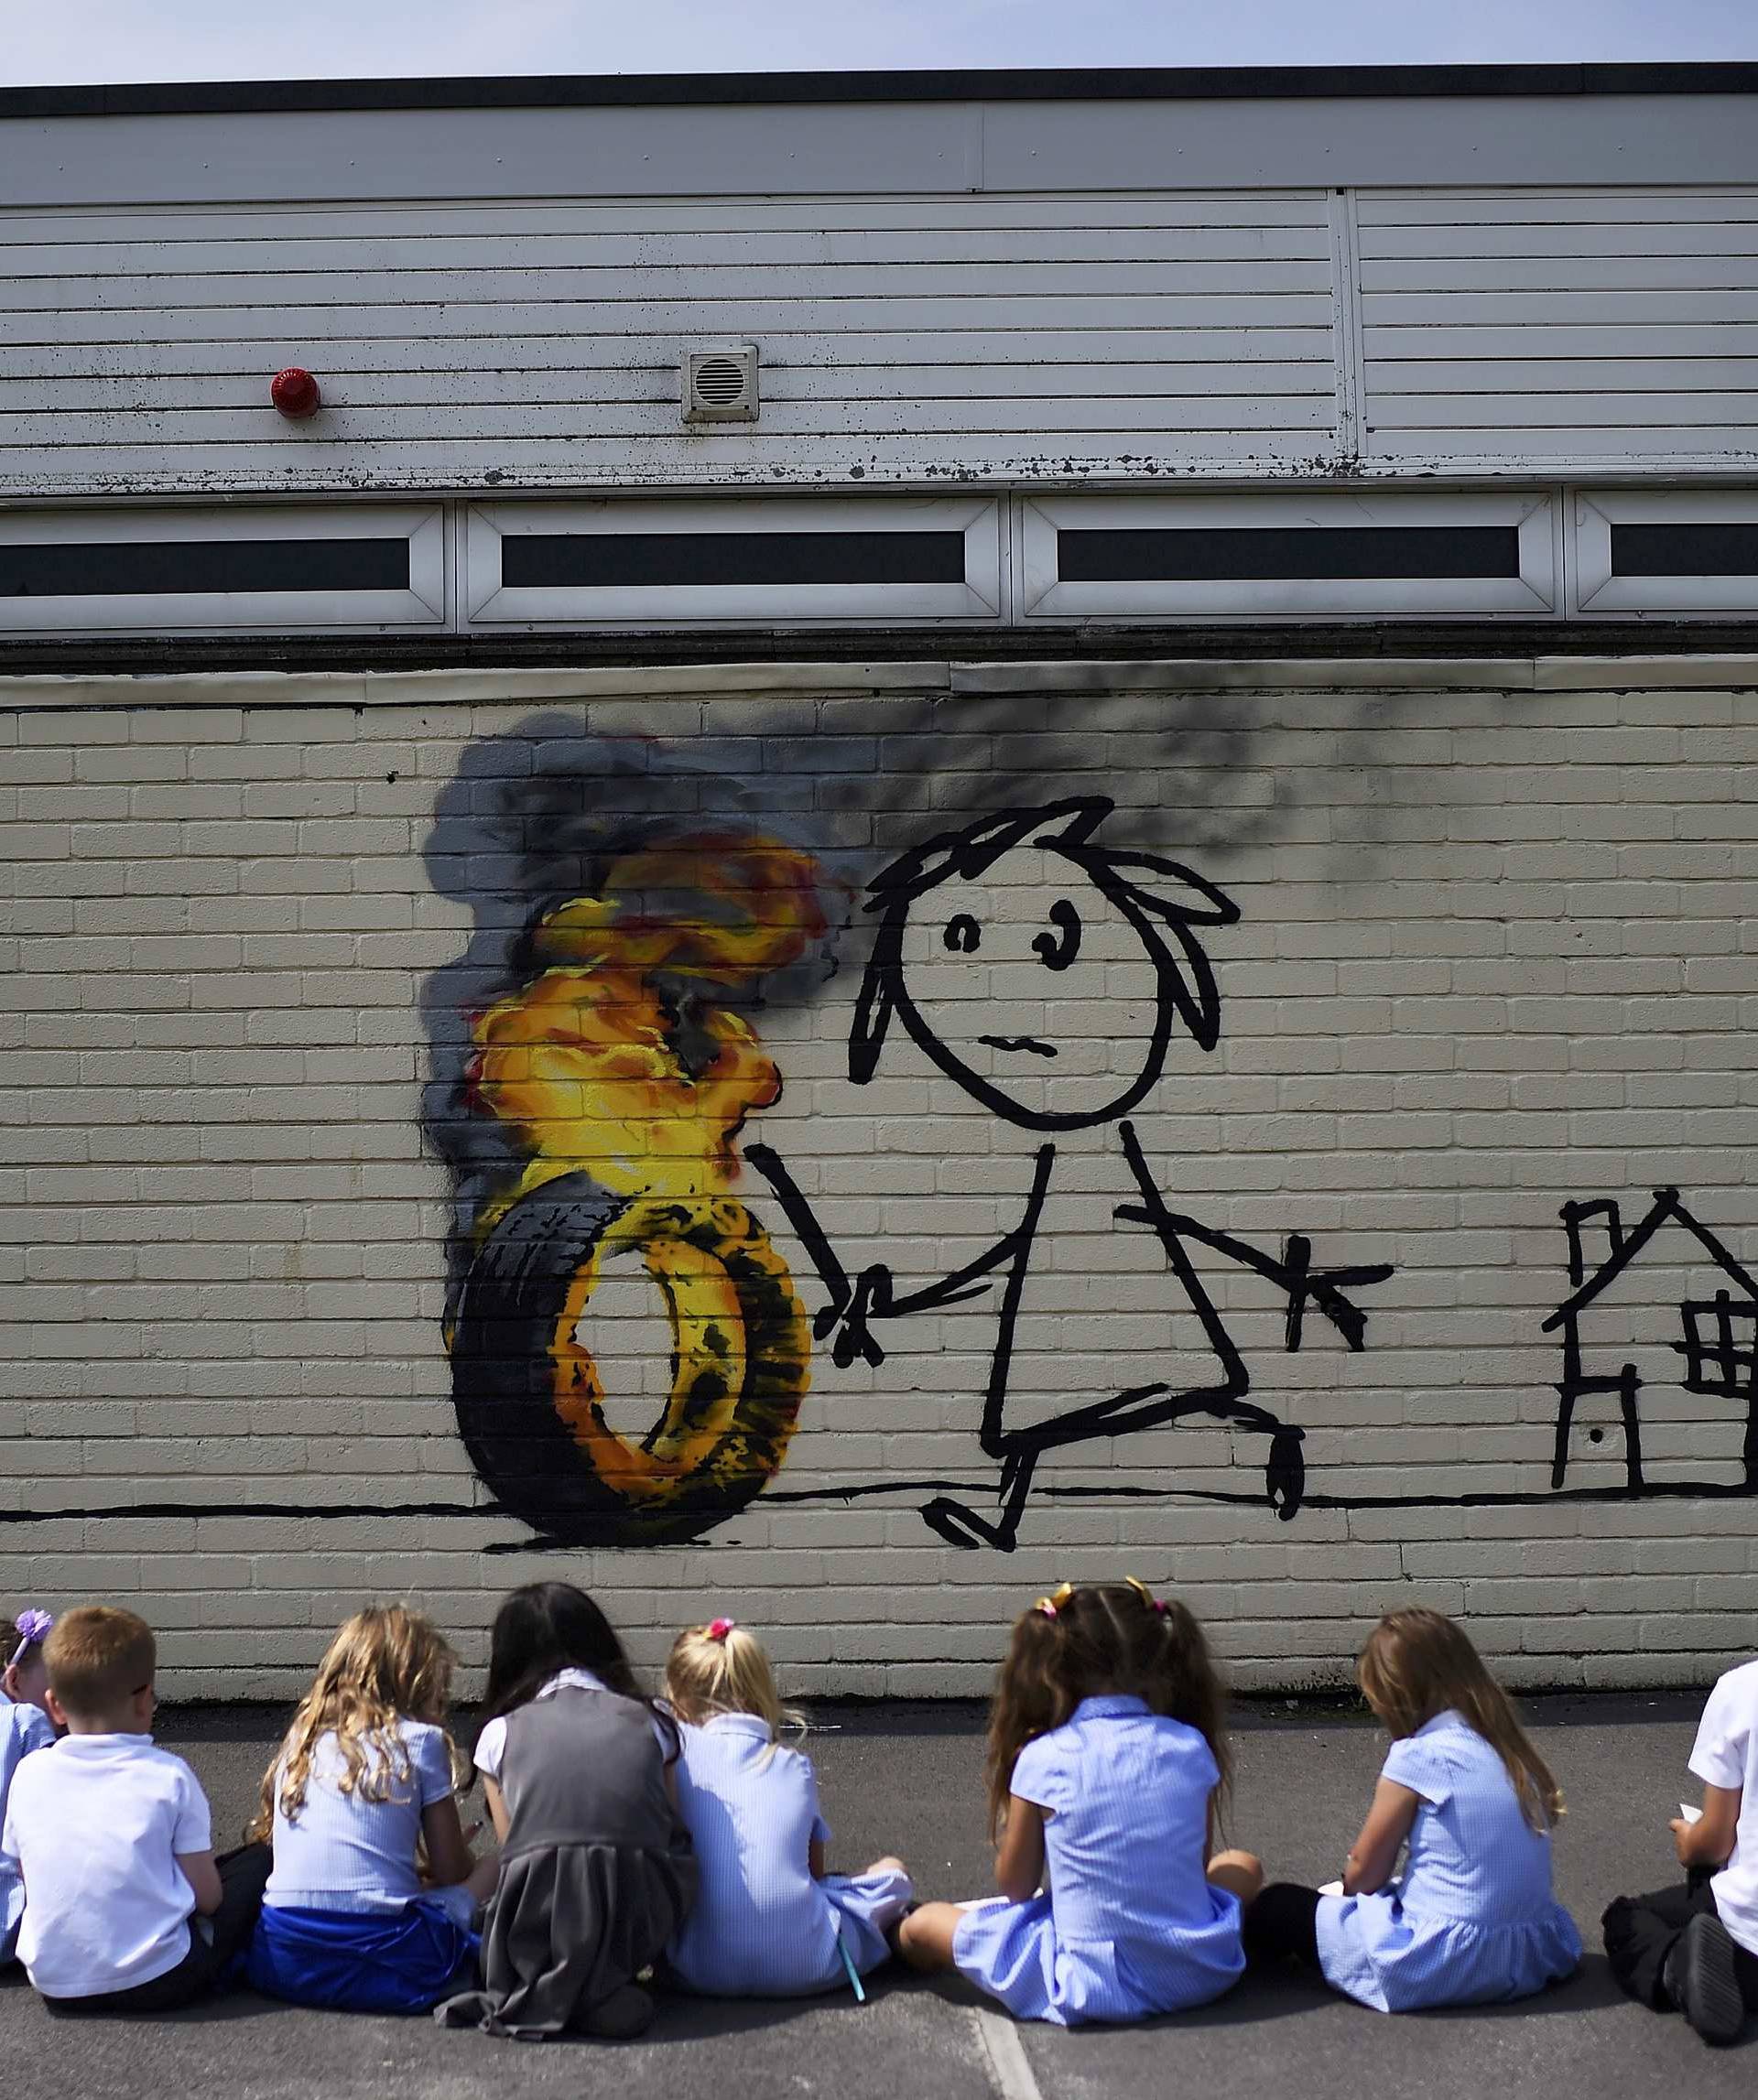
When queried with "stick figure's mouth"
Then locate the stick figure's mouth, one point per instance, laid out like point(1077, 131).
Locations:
point(1029, 1043)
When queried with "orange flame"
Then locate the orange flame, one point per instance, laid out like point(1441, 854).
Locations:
point(582, 1061)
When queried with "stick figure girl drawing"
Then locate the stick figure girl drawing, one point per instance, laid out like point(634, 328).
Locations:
point(940, 950)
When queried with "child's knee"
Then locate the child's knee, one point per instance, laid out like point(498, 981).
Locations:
point(1242, 1872)
point(925, 1937)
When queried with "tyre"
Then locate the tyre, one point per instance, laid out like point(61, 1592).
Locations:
point(529, 1400)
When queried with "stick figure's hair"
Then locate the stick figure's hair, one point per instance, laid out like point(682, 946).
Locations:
point(1143, 886)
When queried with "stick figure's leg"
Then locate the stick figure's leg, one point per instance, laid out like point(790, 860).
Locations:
point(955, 1522)
point(961, 1526)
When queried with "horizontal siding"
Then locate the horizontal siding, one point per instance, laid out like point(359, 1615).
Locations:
point(1043, 337)
point(1556, 330)
point(538, 344)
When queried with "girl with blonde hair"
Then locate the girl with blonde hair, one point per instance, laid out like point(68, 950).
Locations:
point(1472, 1921)
point(769, 1921)
point(362, 1787)
point(1108, 1763)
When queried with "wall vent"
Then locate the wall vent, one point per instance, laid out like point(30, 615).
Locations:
point(720, 383)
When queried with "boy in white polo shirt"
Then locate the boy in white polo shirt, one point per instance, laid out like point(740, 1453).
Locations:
point(1695, 1948)
point(112, 1839)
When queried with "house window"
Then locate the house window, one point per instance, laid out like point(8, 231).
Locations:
point(1721, 1346)
point(640, 562)
point(1280, 557)
point(1666, 550)
point(175, 570)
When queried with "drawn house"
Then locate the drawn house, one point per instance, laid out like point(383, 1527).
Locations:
point(1617, 1350)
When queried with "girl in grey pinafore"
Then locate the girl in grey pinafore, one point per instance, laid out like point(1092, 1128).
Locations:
point(596, 1868)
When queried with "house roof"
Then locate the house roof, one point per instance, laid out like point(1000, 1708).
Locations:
point(1665, 1206)
point(1074, 83)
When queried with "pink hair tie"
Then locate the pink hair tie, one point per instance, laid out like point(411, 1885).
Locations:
point(721, 1627)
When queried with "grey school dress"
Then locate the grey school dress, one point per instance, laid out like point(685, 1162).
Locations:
point(596, 1873)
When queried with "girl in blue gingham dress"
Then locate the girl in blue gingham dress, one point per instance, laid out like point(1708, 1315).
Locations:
point(769, 1921)
point(1106, 1760)
point(1472, 1919)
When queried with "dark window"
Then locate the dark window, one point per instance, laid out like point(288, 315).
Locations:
point(688, 560)
point(181, 567)
point(1721, 1346)
point(1286, 554)
point(1685, 549)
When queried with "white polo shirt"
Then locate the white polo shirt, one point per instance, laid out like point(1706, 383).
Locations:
point(1726, 1755)
point(95, 1825)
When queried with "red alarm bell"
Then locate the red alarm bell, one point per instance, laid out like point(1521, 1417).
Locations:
point(296, 394)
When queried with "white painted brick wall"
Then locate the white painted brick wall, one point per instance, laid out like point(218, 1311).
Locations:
point(1498, 951)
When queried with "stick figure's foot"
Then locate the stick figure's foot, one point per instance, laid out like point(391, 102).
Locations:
point(1284, 1476)
point(961, 1526)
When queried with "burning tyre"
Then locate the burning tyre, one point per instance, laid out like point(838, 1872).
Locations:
point(529, 1393)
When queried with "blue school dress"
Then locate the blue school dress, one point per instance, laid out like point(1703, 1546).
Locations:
point(345, 1921)
point(1472, 1921)
point(1131, 1925)
point(761, 1926)
point(23, 1728)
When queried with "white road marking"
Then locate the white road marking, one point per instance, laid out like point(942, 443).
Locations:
point(1010, 2069)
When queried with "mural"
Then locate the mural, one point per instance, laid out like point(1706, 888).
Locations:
point(601, 1075)
point(621, 1072)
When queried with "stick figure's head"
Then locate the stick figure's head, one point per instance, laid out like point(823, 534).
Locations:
point(1043, 973)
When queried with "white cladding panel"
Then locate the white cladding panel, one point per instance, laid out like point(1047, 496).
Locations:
point(538, 344)
point(1559, 328)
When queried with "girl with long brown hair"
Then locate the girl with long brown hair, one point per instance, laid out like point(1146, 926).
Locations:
point(360, 1799)
point(1473, 1920)
point(1108, 1764)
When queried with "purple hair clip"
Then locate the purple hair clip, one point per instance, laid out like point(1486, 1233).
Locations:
point(32, 1626)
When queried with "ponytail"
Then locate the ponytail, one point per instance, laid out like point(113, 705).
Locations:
point(1103, 1637)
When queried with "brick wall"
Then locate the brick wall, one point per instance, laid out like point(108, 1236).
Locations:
point(1494, 956)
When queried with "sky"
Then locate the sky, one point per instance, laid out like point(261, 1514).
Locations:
point(43, 41)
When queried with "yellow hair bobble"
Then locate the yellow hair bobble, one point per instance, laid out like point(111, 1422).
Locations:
point(1049, 1606)
point(1147, 1595)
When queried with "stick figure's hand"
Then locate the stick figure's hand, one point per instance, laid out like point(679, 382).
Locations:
point(870, 1297)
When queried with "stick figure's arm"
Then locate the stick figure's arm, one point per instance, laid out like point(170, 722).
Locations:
point(872, 1295)
point(1292, 1271)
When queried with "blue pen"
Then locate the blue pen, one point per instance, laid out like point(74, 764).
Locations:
point(854, 1974)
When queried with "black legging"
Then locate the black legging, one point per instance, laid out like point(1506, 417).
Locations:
point(1282, 1926)
point(243, 1875)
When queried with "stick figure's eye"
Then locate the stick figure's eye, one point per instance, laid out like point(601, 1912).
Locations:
point(1058, 951)
point(963, 935)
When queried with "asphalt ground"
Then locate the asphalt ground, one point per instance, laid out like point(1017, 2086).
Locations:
point(909, 1779)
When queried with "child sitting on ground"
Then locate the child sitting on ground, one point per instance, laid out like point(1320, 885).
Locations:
point(1694, 1947)
point(364, 1779)
point(1473, 1920)
point(113, 1838)
point(25, 1726)
point(1106, 1760)
point(595, 1872)
point(769, 1921)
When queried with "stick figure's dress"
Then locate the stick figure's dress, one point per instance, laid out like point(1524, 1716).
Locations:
point(1164, 903)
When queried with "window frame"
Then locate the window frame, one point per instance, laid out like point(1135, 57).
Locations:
point(1044, 596)
point(979, 517)
point(423, 604)
point(1600, 589)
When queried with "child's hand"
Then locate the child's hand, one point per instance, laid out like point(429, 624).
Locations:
point(1683, 1845)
